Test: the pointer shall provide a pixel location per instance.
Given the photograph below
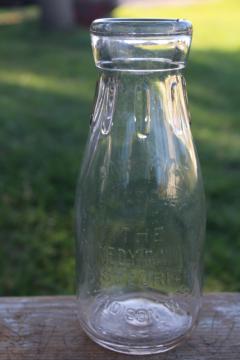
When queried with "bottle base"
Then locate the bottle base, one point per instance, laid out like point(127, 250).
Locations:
point(136, 324)
point(137, 350)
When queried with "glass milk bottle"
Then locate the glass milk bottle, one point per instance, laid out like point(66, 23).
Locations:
point(140, 199)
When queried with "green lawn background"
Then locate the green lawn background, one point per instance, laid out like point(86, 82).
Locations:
point(47, 84)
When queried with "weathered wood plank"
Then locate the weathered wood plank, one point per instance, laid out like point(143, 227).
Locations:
point(46, 328)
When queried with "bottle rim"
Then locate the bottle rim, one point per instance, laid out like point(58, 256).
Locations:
point(140, 27)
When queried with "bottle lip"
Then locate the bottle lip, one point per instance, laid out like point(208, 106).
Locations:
point(140, 27)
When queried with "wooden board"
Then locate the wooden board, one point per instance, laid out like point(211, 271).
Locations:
point(46, 328)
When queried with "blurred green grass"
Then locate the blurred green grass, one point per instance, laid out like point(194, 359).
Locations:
point(47, 84)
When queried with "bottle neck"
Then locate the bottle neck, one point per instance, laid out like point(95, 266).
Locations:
point(143, 97)
point(143, 114)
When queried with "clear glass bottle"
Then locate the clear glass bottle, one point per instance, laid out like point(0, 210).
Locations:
point(140, 200)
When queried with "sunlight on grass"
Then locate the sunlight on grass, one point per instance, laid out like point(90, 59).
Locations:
point(18, 15)
point(48, 83)
point(216, 23)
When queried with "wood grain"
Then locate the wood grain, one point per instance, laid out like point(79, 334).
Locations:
point(46, 328)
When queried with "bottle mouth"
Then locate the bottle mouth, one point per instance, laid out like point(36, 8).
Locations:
point(132, 27)
point(136, 45)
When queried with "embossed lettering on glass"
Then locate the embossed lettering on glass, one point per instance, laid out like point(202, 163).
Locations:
point(140, 200)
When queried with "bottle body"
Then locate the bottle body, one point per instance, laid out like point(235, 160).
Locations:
point(140, 215)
